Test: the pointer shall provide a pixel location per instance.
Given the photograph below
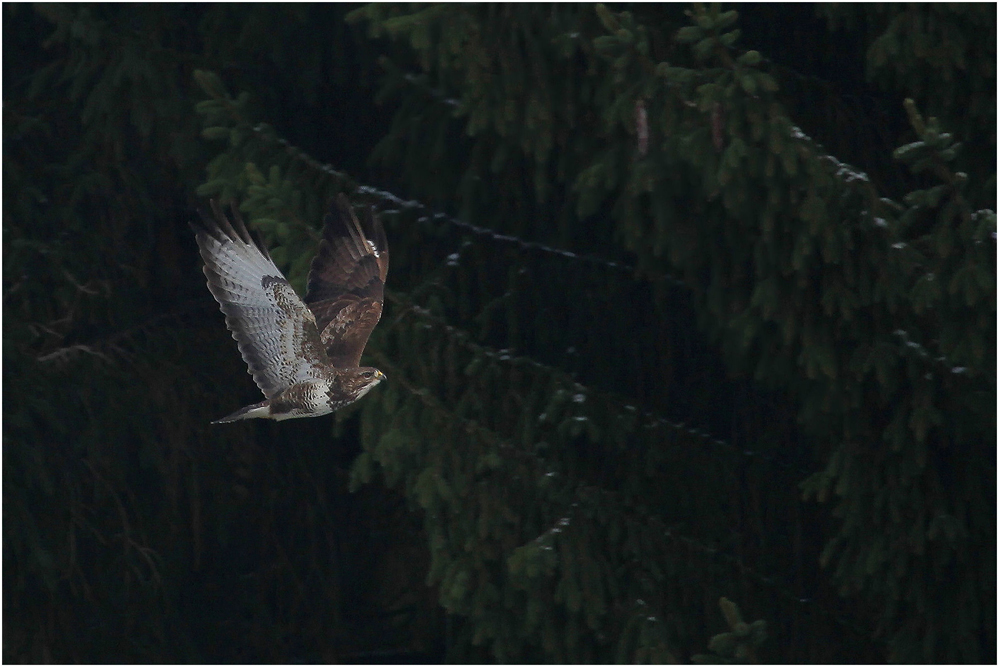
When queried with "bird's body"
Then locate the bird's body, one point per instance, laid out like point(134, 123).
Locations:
point(303, 356)
point(305, 399)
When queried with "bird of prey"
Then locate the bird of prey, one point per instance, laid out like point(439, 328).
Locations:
point(304, 356)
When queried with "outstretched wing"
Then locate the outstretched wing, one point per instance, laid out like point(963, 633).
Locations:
point(276, 333)
point(347, 281)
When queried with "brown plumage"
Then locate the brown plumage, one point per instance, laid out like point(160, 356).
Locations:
point(304, 357)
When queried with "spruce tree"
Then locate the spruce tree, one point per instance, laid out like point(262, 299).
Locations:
point(689, 334)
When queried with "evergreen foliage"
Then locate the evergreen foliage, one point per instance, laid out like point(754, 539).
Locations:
point(740, 644)
point(658, 346)
point(134, 532)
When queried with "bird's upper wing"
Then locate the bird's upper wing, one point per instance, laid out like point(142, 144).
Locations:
point(276, 333)
point(347, 281)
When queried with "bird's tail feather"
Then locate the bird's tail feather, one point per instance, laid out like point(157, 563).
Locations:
point(259, 410)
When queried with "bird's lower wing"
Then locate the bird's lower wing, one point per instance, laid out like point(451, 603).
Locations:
point(276, 333)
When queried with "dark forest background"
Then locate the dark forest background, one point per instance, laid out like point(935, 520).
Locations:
point(690, 334)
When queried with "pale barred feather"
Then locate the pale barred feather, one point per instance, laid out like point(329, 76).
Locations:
point(270, 325)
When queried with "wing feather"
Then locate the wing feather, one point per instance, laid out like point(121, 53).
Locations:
point(275, 332)
point(347, 282)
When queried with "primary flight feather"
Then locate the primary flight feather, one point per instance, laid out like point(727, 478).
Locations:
point(304, 356)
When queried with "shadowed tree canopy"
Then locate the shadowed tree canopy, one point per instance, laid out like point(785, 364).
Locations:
point(689, 334)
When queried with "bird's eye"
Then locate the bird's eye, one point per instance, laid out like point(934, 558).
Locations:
point(368, 375)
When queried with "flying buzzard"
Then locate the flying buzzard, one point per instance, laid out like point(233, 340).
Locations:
point(303, 356)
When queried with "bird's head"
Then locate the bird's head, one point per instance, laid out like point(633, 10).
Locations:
point(364, 379)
